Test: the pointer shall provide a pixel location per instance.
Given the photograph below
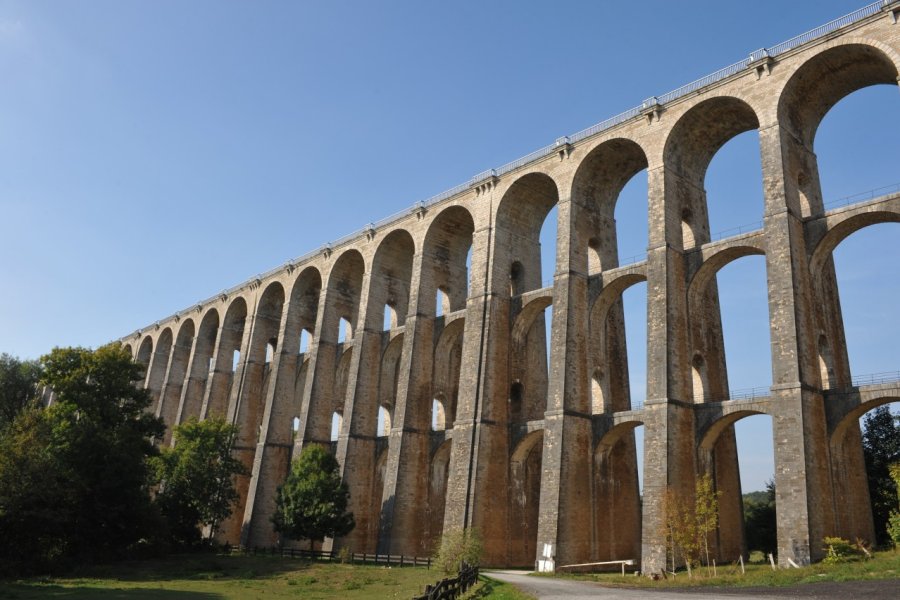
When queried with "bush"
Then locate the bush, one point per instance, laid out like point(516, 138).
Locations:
point(839, 550)
point(458, 546)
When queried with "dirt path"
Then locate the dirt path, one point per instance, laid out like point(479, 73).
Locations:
point(545, 588)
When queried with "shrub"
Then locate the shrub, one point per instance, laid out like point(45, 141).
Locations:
point(458, 546)
point(839, 550)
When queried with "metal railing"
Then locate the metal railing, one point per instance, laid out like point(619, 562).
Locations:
point(631, 113)
point(876, 378)
point(863, 196)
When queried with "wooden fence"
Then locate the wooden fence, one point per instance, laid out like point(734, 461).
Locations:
point(450, 589)
point(399, 560)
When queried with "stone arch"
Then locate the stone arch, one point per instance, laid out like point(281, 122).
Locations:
point(699, 283)
point(159, 364)
point(447, 367)
point(145, 353)
point(438, 473)
point(444, 251)
point(389, 379)
point(525, 491)
point(528, 358)
point(302, 308)
point(598, 181)
point(837, 70)
point(230, 339)
point(841, 231)
point(610, 387)
point(815, 87)
point(174, 384)
point(343, 294)
point(200, 366)
point(689, 147)
point(852, 503)
point(616, 495)
point(390, 279)
point(128, 349)
point(520, 216)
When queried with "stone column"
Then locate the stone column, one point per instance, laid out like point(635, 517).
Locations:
point(565, 509)
point(170, 397)
point(405, 499)
point(802, 479)
point(477, 493)
point(668, 415)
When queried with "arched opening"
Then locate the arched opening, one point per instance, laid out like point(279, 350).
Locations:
point(145, 353)
point(337, 421)
point(812, 91)
point(516, 402)
point(447, 369)
point(305, 337)
point(170, 398)
point(616, 479)
point(226, 359)
point(438, 472)
point(618, 346)
point(345, 332)
point(390, 318)
point(438, 414)
point(270, 351)
point(529, 361)
point(159, 364)
point(734, 187)
point(696, 138)
point(201, 365)
point(441, 303)
point(746, 525)
point(516, 279)
point(525, 493)
point(611, 186)
point(384, 421)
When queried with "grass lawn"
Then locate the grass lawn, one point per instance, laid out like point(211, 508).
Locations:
point(492, 589)
point(884, 565)
point(210, 577)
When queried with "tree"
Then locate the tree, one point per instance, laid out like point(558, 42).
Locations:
point(458, 546)
point(759, 520)
point(893, 526)
point(196, 478)
point(76, 473)
point(881, 447)
point(312, 503)
point(18, 379)
point(688, 525)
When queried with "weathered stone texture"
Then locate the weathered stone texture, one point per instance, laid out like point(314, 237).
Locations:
point(538, 451)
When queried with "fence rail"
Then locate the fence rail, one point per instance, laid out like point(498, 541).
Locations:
point(622, 117)
point(399, 560)
point(450, 589)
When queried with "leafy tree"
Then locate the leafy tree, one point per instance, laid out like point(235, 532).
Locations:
point(706, 503)
point(312, 503)
point(759, 520)
point(76, 473)
point(458, 546)
point(688, 525)
point(18, 379)
point(197, 478)
point(893, 526)
point(881, 447)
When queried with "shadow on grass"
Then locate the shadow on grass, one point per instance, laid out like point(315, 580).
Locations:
point(193, 567)
point(85, 592)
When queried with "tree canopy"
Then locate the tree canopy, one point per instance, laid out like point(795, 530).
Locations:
point(312, 503)
point(881, 447)
point(74, 479)
point(18, 379)
point(196, 478)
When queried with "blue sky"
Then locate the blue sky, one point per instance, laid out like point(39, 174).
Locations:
point(155, 153)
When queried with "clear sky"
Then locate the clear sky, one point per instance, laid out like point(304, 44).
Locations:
point(155, 153)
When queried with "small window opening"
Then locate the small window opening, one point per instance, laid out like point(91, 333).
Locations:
point(345, 334)
point(304, 341)
point(438, 416)
point(235, 359)
point(337, 421)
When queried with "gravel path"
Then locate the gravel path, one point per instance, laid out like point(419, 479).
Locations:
point(545, 588)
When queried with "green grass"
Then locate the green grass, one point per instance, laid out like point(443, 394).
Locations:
point(884, 565)
point(209, 577)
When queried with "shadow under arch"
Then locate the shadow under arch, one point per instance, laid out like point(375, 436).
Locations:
point(438, 474)
point(446, 246)
point(525, 493)
point(616, 497)
point(391, 274)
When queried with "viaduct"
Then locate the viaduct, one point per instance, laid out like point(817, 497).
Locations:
point(476, 429)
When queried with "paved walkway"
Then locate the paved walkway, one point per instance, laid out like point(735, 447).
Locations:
point(545, 588)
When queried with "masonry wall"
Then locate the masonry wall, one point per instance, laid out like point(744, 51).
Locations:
point(540, 457)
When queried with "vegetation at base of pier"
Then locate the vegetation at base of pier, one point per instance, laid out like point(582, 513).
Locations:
point(458, 546)
point(219, 577)
point(196, 479)
point(491, 589)
point(882, 565)
point(76, 476)
point(881, 448)
point(312, 502)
